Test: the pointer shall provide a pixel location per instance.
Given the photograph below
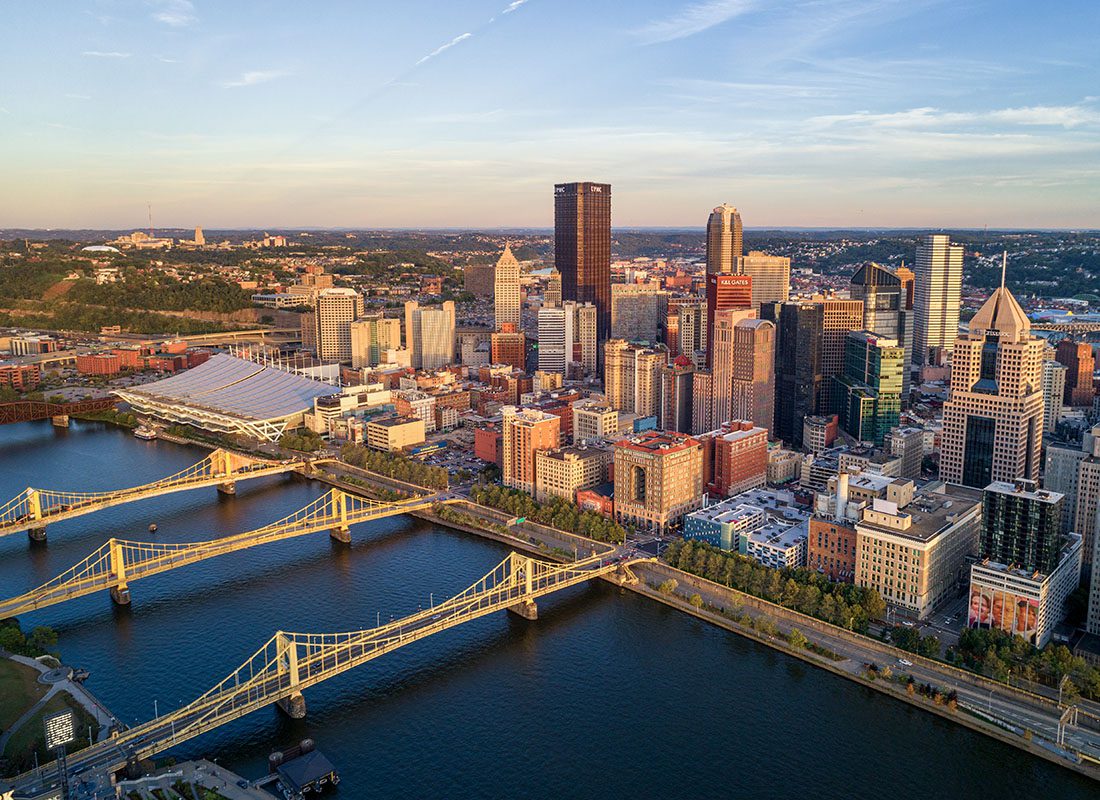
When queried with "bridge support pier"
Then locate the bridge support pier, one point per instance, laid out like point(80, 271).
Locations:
point(341, 533)
point(527, 609)
point(229, 488)
point(37, 534)
point(293, 706)
point(120, 595)
point(60, 421)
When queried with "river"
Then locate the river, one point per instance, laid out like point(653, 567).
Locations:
point(607, 694)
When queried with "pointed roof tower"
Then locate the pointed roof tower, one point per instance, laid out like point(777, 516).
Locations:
point(506, 257)
point(1002, 313)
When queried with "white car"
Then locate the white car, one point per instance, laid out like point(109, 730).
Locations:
point(905, 662)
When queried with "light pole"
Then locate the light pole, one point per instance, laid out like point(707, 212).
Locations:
point(156, 711)
point(990, 703)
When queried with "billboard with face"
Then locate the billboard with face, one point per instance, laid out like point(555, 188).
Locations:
point(991, 608)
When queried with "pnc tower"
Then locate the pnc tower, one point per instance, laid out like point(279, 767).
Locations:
point(582, 246)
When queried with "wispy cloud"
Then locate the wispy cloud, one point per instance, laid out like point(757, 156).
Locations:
point(164, 60)
point(513, 6)
point(460, 38)
point(105, 54)
point(693, 19)
point(79, 96)
point(177, 13)
point(926, 117)
point(254, 77)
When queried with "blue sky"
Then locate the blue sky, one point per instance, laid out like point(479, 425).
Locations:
point(464, 113)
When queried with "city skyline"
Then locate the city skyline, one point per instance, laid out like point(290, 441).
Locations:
point(850, 114)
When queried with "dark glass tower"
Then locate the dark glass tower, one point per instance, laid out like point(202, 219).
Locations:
point(1022, 525)
point(798, 375)
point(582, 247)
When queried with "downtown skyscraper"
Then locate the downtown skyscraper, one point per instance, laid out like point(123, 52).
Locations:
point(885, 311)
point(506, 295)
point(937, 297)
point(582, 247)
point(724, 240)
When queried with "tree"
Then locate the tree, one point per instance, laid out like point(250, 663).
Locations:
point(42, 640)
point(696, 600)
point(668, 587)
point(796, 639)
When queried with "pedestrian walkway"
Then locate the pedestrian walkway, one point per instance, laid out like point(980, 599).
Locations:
point(76, 690)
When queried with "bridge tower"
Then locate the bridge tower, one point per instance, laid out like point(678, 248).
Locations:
point(341, 532)
point(36, 533)
point(286, 656)
point(524, 569)
point(120, 592)
point(221, 465)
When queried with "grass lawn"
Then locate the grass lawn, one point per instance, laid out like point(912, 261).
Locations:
point(19, 690)
point(30, 738)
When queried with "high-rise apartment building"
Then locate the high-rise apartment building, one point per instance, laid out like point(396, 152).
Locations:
point(771, 277)
point(506, 295)
point(993, 417)
point(631, 376)
point(509, 346)
point(724, 240)
point(582, 246)
point(937, 296)
point(336, 309)
point(885, 312)
point(867, 394)
point(658, 479)
point(638, 312)
point(556, 337)
point(523, 433)
point(371, 336)
point(725, 292)
point(1021, 525)
point(1080, 363)
point(798, 369)
point(1054, 389)
point(675, 403)
point(430, 334)
point(587, 331)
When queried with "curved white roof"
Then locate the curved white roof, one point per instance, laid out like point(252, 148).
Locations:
point(237, 387)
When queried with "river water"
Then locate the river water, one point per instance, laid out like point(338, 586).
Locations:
point(607, 694)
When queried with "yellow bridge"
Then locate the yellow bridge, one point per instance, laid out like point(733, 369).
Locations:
point(33, 508)
point(118, 563)
point(289, 663)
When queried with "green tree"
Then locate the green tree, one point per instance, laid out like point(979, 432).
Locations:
point(796, 639)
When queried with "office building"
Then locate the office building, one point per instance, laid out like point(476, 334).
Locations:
point(371, 336)
point(726, 292)
point(1080, 363)
point(937, 296)
point(507, 302)
point(658, 479)
point(394, 433)
point(831, 547)
point(702, 402)
point(819, 431)
point(565, 471)
point(336, 309)
point(1074, 471)
point(430, 334)
point(556, 337)
point(724, 240)
point(993, 417)
point(762, 524)
point(692, 318)
point(1054, 389)
point(631, 376)
point(908, 445)
point(582, 247)
point(740, 459)
point(523, 433)
point(676, 386)
point(479, 279)
point(593, 422)
point(726, 351)
point(552, 293)
point(908, 280)
point(587, 329)
point(753, 395)
point(771, 277)
point(885, 312)
point(509, 346)
point(638, 312)
point(798, 370)
point(867, 395)
point(838, 319)
point(915, 555)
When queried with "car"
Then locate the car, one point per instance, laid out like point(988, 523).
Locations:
point(907, 623)
point(905, 662)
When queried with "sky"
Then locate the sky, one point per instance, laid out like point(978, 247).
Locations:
point(464, 113)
